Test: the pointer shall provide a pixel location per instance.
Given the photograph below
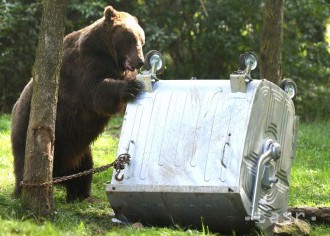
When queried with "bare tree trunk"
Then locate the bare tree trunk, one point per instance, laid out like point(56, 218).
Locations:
point(41, 131)
point(272, 41)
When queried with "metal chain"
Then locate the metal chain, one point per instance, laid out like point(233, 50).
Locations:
point(118, 165)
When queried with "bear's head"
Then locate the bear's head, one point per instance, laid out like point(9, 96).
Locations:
point(125, 39)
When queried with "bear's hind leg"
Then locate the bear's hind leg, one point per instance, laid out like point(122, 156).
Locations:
point(19, 171)
point(18, 139)
point(18, 146)
point(19, 125)
point(80, 188)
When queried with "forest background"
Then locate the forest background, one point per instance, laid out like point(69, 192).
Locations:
point(198, 40)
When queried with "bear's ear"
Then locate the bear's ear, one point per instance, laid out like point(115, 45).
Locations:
point(136, 19)
point(109, 13)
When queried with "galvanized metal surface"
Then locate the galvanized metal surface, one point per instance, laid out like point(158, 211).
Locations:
point(195, 147)
point(238, 83)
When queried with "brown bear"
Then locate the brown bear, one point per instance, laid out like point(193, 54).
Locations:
point(97, 79)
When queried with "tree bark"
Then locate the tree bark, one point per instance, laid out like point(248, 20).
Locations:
point(272, 41)
point(41, 131)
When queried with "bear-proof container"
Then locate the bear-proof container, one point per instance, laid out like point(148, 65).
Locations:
point(206, 153)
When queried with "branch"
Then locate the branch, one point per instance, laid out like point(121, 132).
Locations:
point(204, 8)
point(312, 214)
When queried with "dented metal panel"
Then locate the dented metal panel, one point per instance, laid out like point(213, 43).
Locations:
point(194, 148)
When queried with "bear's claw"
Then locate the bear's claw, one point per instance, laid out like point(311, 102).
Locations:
point(132, 89)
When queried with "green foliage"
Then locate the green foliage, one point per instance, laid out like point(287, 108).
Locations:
point(197, 43)
point(81, 13)
point(202, 41)
point(19, 22)
point(306, 57)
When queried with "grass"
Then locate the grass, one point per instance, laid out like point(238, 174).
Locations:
point(310, 185)
point(310, 175)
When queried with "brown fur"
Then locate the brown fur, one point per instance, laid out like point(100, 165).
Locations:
point(97, 79)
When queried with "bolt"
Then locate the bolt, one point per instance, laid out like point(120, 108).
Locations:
point(276, 151)
point(273, 180)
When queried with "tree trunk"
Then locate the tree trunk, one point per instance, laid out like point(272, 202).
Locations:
point(41, 131)
point(272, 41)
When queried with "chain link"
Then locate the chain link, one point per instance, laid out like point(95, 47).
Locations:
point(118, 165)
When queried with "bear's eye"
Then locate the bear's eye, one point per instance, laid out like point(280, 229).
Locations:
point(132, 40)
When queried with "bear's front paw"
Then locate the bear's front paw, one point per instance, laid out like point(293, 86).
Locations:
point(132, 89)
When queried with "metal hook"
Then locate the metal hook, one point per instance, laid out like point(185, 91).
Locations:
point(119, 178)
point(122, 159)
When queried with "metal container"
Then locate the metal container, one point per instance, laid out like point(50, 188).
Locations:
point(206, 154)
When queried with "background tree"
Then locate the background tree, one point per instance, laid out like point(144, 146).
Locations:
point(271, 42)
point(41, 131)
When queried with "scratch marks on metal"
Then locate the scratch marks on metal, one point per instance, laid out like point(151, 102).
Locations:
point(134, 138)
point(202, 102)
point(161, 160)
point(151, 119)
point(211, 136)
point(177, 156)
